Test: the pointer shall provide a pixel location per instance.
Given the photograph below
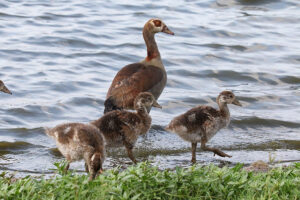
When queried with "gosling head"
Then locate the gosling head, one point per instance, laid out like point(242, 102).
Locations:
point(227, 97)
point(145, 100)
point(3, 88)
point(157, 25)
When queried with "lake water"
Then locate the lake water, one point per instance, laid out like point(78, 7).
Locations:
point(59, 58)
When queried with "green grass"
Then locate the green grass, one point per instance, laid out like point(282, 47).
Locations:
point(144, 181)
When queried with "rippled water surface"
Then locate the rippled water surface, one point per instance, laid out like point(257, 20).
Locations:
point(59, 57)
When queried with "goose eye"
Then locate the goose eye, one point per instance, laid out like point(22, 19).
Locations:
point(157, 23)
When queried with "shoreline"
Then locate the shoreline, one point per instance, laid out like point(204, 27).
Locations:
point(144, 181)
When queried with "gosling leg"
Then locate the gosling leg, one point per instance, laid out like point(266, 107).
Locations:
point(129, 148)
point(89, 168)
point(67, 167)
point(216, 151)
point(194, 146)
point(86, 168)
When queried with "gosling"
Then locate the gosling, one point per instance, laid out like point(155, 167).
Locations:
point(78, 141)
point(200, 124)
point(121, 127)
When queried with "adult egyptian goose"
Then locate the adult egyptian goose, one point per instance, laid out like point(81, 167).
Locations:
point(200, 124)
point(78, 141)
point(149, 75)
point(121, 127)
point(3, 88)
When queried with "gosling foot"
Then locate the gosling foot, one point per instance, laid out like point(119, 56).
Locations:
point(221, 153)
point(193, 160)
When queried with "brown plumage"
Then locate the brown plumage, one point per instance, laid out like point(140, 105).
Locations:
point(124, 127)
point(78, 141)
point(148, 75)
point(3, 88)
point(200, 124)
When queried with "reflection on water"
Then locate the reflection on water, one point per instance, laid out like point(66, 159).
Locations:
point(58, 59)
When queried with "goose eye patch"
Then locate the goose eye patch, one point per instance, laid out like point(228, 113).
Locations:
point(157, 23)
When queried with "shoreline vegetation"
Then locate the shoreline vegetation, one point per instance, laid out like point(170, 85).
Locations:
point(144, 181)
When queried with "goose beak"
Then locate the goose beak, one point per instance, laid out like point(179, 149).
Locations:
point(6, 90)
point(236, 102)
point(155, 104)
point(167, 30)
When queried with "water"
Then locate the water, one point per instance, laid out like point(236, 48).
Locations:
point(59, 57)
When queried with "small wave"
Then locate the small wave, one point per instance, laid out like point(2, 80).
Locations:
point(255, 122)
point(30, 111)
point(14, 145)
point(290, 79)
point(229, 75)
point(226, 34)
point(11, 16)
point(32, 53)
point(222, 46)
point(58, 16)
point(84, 101)
point(65, 87)
point(59, 41)
point(223, 75)
point(270, 145)
point(23, 132)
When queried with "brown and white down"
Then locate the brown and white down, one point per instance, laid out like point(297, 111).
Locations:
point(121, 127)
point(78, 141)
point(148, 75)
point(200, 124)
point(3, 88)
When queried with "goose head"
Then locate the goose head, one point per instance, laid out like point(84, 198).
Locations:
point(3, 88)
point(145, 100)
point(227, 97)
point(156, 26)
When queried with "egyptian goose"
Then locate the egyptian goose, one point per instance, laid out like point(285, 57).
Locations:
point(148, 75)
point(121, 127)
point(78, 141)
point(200, 124)
point(3, 88)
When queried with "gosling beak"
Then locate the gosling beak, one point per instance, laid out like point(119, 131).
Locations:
point(167, 30)
point(6, 90)
point(236, 102)
point(155, 104)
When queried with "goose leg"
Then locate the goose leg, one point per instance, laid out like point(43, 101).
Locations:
point(216, 151)
point(194, 146)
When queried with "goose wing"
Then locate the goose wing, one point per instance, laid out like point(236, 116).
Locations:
point(130, 81)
